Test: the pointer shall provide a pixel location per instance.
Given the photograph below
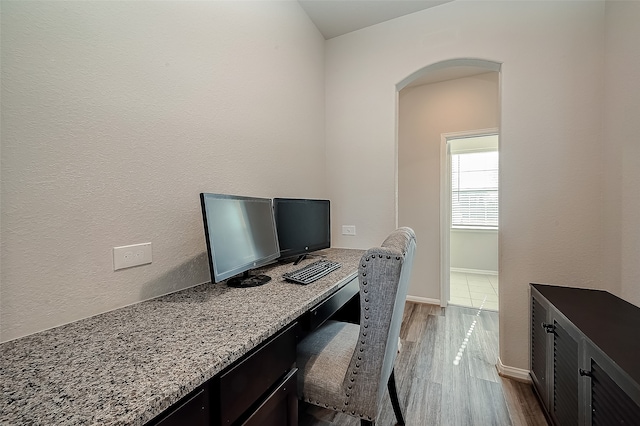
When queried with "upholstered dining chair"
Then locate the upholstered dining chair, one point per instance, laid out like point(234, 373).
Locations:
point(344, 366)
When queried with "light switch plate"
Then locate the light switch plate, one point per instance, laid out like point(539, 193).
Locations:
point(133, 255)
point(348, 230)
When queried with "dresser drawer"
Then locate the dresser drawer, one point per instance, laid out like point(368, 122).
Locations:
point(245, 383)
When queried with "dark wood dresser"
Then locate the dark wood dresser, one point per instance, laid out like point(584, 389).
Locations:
point(585, 356)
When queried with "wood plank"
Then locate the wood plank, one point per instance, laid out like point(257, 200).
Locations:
point(423, 407)
point(430, 350)
point(522, 403)
point(406, 319)
point(418, 322)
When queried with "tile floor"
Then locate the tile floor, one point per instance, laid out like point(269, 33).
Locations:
point(474, 290)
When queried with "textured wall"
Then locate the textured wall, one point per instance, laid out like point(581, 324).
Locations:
point(621, 148)
point(424, 113)
point(115, 115)
point(550, 146)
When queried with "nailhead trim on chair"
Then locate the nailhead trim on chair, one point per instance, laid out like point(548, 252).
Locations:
point(365, 325)
point(354, 373)
point(362, 342)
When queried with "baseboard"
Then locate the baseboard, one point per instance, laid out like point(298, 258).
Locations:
point(424, 300)
point(474, 271)
point(512, 372)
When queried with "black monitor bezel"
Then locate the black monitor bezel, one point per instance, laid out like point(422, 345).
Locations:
point(289, 255)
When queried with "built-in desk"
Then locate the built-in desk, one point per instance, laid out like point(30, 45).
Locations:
point(131, 365)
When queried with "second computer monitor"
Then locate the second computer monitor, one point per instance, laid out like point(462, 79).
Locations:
point(303, 226)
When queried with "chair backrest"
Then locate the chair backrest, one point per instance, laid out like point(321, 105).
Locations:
point(384, 274)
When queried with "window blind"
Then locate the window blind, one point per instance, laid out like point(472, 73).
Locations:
point(474, 189)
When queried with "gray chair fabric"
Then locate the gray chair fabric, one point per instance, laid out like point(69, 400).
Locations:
point(345, 366)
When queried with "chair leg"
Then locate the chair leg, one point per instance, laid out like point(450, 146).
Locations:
point(393, 393)
point(364, 422)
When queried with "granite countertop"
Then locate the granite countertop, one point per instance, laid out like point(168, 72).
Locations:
point(126, 366)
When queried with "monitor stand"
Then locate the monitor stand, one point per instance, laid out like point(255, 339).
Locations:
point(247, 280)
point(300, 258)
point(304, 256)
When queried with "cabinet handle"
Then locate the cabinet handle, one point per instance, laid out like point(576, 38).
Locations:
point(585, 373)
point(549, 328)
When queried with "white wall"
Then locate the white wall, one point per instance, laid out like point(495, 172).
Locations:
point(115, 115)
point(474, 249)
point(552, 86)
point(621, 148)
point(426, 112)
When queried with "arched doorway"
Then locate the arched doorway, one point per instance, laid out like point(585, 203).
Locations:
point(422, 157)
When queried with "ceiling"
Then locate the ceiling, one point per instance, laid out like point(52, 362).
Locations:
point(337, 17)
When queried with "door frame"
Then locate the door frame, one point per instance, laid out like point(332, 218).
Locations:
point(445, 205)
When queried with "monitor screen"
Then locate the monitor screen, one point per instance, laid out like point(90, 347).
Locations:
point(240, 233)
point(303, 225)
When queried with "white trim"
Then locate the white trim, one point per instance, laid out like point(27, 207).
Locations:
point(474, 228)
point(445, 205)
point(484, 64)
point(445, 221)
point(396, 154)
point(514, 373)
point(423, 300)
point(472, 133)
point(474, 271)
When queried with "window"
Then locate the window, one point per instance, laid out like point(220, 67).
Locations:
point(474, 189)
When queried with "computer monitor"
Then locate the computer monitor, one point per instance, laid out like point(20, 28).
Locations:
point(241, 235)
point(303, 226)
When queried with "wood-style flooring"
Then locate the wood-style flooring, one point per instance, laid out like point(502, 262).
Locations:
point(446, 375)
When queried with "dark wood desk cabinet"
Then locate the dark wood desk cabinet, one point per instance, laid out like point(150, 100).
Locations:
point(585, 356)
point(260, 389)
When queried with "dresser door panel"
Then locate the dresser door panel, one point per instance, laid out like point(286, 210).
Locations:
point(539, 339)
point(565, 376)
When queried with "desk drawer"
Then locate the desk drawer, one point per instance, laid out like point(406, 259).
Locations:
point(191, 410)
point(280, 408)
point(327, 308)
point(246, 382)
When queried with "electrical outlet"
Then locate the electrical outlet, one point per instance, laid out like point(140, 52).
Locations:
point(134, 255)
point(348, 230)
